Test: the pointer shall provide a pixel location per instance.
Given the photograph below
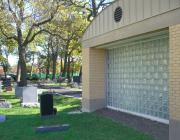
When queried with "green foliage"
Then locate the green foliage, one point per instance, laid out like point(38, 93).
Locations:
point(63, 38)
point(6, 47)
point(22, 21)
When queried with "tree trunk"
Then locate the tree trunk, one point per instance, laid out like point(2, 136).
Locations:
point(72, 68)
point(54, 67)
point(61, 67)
point(5, 72)
point(47, 70)
point(39, 72)
point(22, 59)
point(68, 69)
point(94, 10)
point(48, 64)
point(6, 81)
point(31, 69)
point(54, 57)
point(65, 65)
point(32, 65)
point(80, 73)
point(18, 75)
point(22, 62)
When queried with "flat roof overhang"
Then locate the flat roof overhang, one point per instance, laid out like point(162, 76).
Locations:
point(145, 26)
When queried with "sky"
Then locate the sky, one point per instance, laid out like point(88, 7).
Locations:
point(13, 60)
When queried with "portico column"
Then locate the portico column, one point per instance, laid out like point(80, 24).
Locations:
point(174, 83)
point(93, 79)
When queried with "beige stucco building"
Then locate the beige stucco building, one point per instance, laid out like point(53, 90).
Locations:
point(131, 61)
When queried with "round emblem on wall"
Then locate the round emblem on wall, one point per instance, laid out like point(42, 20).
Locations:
point(118, 14)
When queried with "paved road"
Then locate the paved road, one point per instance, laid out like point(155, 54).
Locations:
point(68, 92)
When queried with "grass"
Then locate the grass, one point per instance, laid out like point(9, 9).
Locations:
point(21, 123)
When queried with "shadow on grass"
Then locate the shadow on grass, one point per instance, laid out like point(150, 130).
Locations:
point(50, 87)
point(18, 103)
point(82, 127)
point(60, 100)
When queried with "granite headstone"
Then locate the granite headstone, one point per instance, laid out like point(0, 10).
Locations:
point(2, 118)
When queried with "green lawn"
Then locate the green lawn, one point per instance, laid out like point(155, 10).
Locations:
point(21, 122)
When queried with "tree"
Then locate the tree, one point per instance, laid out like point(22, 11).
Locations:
point(26, 18)
point(68, 29)
point(93, 7)
point(46, 49)
point(30, 57)
point(55, 45)
point(6, 47)
point(51, 48)
point(4, 63)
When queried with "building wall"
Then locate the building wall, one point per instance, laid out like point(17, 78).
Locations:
point(139, 17)
point(174, 82)
point(93, 79)
point(134, 11)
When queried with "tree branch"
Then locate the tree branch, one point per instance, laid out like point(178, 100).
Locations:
point(54, 34)
point(21, 11)
point(8, 37)
point(41, 31)
point(32, 38)
point(28, 16)
point(100, 4)
point(80, 6)
point(52, 14)
point(28, 39)
point(12, 12)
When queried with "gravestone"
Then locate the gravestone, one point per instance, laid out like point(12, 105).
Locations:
point(53, 128)
point(46, 105)
point(29, 97)
point(18, 91)
point(7, 84)
point(5, 104)
point(2, 118)
point(76, 79)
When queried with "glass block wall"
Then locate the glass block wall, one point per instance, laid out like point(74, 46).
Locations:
point(137, 77)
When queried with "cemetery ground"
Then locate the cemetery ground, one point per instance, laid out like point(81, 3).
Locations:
point(21, 123)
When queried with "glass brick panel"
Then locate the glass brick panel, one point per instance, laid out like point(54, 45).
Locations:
point(137, 78)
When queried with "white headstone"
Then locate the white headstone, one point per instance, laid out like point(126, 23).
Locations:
point(30, 97)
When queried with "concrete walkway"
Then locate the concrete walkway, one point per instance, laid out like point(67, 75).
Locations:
point(157, 130)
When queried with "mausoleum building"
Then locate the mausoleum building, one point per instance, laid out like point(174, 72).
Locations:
point(131, 61)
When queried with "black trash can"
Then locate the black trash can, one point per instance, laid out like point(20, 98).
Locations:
point(46, 105)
